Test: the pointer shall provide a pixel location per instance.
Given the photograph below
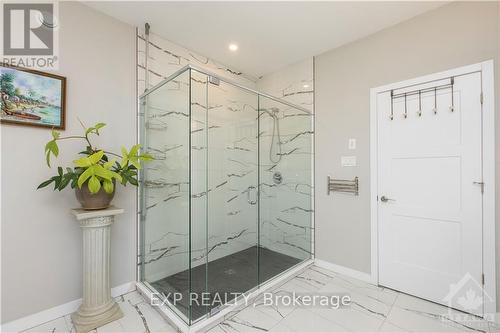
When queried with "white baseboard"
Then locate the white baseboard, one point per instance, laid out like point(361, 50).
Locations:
point(42, 317)
point(345, 271)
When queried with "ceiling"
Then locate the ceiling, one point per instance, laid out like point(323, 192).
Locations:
point(270, 35)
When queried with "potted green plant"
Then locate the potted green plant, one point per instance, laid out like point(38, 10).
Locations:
point(95, 174)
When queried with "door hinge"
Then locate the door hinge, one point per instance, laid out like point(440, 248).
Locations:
point(482, 279)
point(481, 98)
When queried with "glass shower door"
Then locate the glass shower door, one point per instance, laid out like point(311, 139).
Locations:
point(285, 146)
point(164, 192)
point(232, 171)
point(226, 205)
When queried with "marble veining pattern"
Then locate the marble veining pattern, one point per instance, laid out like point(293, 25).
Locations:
point(227, 117)
point(373, 309)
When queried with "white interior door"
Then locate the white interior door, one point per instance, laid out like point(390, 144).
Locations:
point(430, 226)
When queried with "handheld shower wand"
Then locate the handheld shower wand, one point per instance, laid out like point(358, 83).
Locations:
point(273, 113)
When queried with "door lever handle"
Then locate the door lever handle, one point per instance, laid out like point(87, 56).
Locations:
point(385, 199)
point(480, 184)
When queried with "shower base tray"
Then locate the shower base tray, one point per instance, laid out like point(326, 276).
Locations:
point(207, 321)
point(227, 276)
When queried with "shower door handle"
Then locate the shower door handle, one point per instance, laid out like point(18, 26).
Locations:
point(254, 190)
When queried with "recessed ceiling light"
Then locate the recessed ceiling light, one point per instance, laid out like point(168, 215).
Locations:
point(233, 47)
point(305, 86)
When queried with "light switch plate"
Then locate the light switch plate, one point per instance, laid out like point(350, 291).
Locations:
point(352, 144)
point(348, 161)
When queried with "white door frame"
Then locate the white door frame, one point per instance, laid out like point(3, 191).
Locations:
point(488, 154)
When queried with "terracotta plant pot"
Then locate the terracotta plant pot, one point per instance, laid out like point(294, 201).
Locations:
point(89, 201)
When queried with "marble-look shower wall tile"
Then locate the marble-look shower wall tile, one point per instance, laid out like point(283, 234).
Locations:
point(165, 58)
point(201, 189)
point(293, 83)
point(178, 131)
point(165, 222)
point(286, 210)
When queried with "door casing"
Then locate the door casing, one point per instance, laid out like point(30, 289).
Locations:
point(488, 156)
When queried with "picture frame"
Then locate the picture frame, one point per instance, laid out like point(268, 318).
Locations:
point(32, 98)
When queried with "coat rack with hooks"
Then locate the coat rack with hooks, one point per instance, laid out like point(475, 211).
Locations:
point(419, 92)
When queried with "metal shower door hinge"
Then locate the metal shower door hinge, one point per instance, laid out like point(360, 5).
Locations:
point(213, 80)
point(481, 97)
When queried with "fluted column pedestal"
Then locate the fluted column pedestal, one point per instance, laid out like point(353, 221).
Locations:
point(98, 308)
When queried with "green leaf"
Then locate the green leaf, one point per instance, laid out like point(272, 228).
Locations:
point(134, 150)
point(133, 181)
point(116, 176)
point(60, 171)
point(55, 134)
point(94, 184)
point(83, 162)
point(124, 157)
point(64, 182)
point(96, 157)
point(89, 130)
point(57, 181)
point(84, 176)
point(45, 183)
point(98, 126)
point(74, 181)
point(51, 148)
point(146, 157)
point(87, 151)
point(95, 129)
point(108, 186)
point(101, 172)
point(136, 163)
point(109, 164)
point(47, 157)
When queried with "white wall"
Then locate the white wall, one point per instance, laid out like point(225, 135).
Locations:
point(454, 35)
point(41, 241)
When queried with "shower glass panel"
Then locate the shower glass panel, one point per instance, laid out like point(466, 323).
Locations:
point(285, 143)
point(226, 205)
point(164, 242)
point(232, 200)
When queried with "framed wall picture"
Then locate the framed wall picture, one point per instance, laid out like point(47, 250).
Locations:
point(32, 98)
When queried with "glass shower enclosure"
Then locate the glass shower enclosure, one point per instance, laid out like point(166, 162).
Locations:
point(227, 203)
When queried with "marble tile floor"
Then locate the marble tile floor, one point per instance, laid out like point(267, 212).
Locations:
point(373, 309)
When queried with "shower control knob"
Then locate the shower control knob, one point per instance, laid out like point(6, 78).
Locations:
point(277, 178)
